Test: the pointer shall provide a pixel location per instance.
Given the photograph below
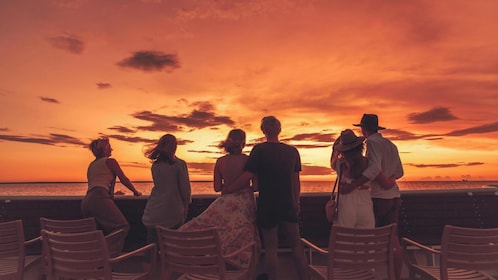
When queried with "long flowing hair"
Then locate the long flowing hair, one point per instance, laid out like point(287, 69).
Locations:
point(164, 150)
point(354, 157)
point(235, 142)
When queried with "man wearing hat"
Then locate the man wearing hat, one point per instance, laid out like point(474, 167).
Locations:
point(383, 157)
point(355, 209)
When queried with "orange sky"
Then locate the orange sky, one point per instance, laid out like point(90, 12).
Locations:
point(72, 70)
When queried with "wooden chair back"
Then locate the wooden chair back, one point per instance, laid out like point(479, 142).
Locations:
point(356, 253)
point(12, 251)
point(195, 252)
point(469, 249)
point(114, 239)
point(77, 255)
point(13, 259)
point(68, 226)
point(63, 226)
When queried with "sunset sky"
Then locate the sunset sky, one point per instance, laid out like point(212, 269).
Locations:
point(74, 70)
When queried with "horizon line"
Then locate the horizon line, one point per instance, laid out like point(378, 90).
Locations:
point(207, 181)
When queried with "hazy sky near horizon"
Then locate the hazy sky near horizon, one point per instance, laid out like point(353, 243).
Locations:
point(73, 70)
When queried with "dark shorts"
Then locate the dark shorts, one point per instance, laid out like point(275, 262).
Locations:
point(386, 211)
point(270, 215)
point(268, 223)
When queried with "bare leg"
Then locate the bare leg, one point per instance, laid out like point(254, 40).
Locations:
point(270, 262)
point(291, 231)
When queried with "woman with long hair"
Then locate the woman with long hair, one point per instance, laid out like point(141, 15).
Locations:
point(170, 196)
point(355, 209)
point(233, 214)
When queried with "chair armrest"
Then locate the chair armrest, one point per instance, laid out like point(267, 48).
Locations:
point(406, 241)
point(428, 252)
point(114, 234)
point(138, 252)
point(32, 241)
point(312, 246)
point(240, 250)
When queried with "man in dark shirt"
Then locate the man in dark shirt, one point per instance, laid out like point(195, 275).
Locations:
point(276, 166)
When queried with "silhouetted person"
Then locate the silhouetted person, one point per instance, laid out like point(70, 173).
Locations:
point(99, 199)
point(383, 157)
point(276, 166)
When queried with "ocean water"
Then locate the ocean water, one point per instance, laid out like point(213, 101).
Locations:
point(206, 187)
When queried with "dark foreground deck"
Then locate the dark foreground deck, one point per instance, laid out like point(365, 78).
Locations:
point(423, 215)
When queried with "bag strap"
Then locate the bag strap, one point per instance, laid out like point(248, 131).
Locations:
point(337, 182)
point(338, 187)
point(335, 186)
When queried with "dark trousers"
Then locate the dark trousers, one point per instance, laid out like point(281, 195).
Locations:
point(386, 211)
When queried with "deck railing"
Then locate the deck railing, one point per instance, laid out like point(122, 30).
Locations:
point(423, 213)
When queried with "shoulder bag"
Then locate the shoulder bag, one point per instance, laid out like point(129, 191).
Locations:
point(333, 203)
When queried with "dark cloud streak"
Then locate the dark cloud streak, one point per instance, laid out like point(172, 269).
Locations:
point(444, 165)
point(197, 119)
point(122, 129)
point(436, 114)
point(51, 140)
point(103, 85)
point(311, 146)
point(67, 42)
point(318, 137)
point(49, 100)
point(201, 168)
point(150, 61)
point(130, 139)
point(487, 128)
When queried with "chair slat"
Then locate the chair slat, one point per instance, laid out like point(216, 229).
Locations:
point(196, 255)
point(358, 254)
point(13, 259)
point(84, 255)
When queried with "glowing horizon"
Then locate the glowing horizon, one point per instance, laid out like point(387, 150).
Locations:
point(73, 70)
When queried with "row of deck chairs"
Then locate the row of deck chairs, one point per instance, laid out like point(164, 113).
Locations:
point(74, 249)
point(464, 253)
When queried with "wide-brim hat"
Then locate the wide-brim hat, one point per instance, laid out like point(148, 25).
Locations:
point(370, 122)
point(348, 140)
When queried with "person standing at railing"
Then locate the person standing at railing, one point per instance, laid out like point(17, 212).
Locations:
point(355, 209)
point(170, 197)
point(383, 156)
point(233, 214)
point(99, 199)
point(276, 166)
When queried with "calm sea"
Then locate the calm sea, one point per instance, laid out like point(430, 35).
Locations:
point(206, 187)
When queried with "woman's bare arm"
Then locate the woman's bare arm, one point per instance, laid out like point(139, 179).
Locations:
point(116, 169)
point(217, 178)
